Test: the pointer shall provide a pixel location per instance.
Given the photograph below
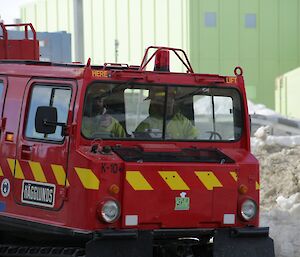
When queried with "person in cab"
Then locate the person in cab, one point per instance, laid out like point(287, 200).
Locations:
point(177, 125)
point(98, 123)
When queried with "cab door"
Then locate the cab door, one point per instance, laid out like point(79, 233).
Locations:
point(41, 165)
point(4, 182)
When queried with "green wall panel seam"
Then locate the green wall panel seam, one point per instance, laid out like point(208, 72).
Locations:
point(92, 28)
point(168, 22)
point(104, 30)
point(154, 20)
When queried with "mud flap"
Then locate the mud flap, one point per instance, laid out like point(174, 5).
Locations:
point(120, 244)
point(246, 242)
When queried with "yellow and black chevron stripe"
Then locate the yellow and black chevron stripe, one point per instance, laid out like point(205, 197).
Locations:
point(175, 182)
point(135, 179)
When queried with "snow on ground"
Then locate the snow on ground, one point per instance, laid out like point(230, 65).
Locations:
point(279, 158)
point(280, 191)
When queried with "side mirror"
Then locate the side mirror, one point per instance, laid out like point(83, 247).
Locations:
point(46, 119)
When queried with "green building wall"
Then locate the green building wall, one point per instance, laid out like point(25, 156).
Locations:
point(261, 36)
point(135, 25)
point(264, 51)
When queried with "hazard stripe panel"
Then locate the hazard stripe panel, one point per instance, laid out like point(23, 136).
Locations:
point(234, 175)
point(17, 173)
point(137, 181)
point(174, 181)
point(1, 172)
point(88, 178)
point(208, 179)
point(37, 171)
point(60, 174)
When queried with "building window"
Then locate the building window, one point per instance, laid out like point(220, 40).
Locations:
point(210, 19)
point(250, 20)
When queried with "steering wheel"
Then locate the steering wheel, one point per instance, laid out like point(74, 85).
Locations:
point(100, 135)
point(214, 135)
point(144, 135)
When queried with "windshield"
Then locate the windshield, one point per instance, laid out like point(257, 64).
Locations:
point(155, 112)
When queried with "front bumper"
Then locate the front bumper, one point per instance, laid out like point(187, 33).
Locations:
point(232, 242)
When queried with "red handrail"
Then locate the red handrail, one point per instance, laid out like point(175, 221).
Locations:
point(174, 50)
point(25, 25)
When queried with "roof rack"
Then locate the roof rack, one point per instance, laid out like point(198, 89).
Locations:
point(19, 49)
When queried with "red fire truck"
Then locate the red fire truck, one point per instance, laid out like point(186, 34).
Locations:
point(116, 160)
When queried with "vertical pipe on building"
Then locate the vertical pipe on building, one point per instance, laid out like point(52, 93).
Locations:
point(116, 33)
point(142, 24)
point(129, 30)
point(57, 15)
point(219, 35)
point(298, 39)
point(182, 29)
point(154, 20)
point(78, 30)
point(278, 40)
point(258, 26)
point(168, 22)
point(46, 16)
point(200, 10)
point(35, 17)
point(103, 29)
point(68, 13)
point(92, 28)
point(182, 24)
point(239, 33)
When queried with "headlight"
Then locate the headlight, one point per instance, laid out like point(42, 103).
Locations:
point(248, 209)
point(110, 211)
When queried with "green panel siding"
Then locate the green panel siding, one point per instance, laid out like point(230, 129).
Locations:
point(88, 29)
point(124, 50)
point(209, 36)
point(265, 51)
point(135, 31)
point(50, 16)
point(41, 16)
point(97, 31)
point(268, 29)
point(110, 30)
point(229, 31)
point(194, 20)
point(148, 23)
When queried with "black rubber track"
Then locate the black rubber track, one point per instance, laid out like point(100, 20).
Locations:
point(36, 251)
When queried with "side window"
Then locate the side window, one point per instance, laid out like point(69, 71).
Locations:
point(214, 114)
point(48, 95)
point(1, 97)
point(1, 89)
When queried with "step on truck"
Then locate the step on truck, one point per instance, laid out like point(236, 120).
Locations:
point(124, 161)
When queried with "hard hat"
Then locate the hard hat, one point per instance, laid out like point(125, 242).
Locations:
point(98, 92)
point(159, 93)
point(154, 94)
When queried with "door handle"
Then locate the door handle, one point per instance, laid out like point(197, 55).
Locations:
point(26, 152)
point(2, 124)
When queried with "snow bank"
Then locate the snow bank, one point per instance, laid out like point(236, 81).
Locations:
point(279, 159)
point(284, 223)
point(260, 109)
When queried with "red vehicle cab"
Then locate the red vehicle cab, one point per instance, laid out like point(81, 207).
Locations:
point(115, 160)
